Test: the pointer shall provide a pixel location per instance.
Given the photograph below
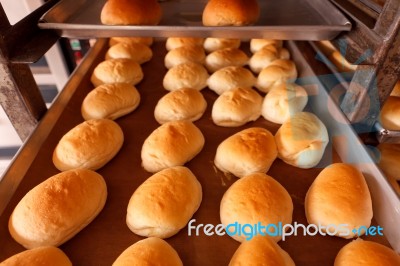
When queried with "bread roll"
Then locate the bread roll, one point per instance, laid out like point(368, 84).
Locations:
point(278, 72)
point(253, 199)
point(110, 101)
point(137, 52)
point(38, 257)
point(390, 113)
point(225, 57)
point(131, 12)
point(301, 140)
point(236, 107)
point(130, 40)
point(263, 58)
point(147, 252)
point(164, 203)
point(231, 13)
point(252, 150)
point(366, 253)
point(187, 75)
point(389, 159)
point(284, 101)
point(258, 44)
point(339, 195)
point(214, 44)
point(176, 42)
point(261, 251)
point(184, 54)
point(229, 78)
point(89, 145)
point(171, 144)
point(119, 70)
point(396, 90)
point(183, 104)
point(58, 208)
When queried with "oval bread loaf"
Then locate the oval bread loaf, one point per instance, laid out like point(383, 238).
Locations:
point(58, 208)
point(41, 256)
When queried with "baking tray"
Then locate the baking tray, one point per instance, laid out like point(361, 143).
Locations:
point(286, 20)
point(107, 236)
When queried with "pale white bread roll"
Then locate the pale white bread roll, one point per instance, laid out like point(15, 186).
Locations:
point(89, 145)
point(164, 203)
point(176, 42)
point(131, 12)
point(366, 253)
point(278, 72)
point(253, 199)
point(214, 44)
point(55, 210)
point(225, 57)
point(172, 144)
point(258, 44)
point(183, 104)
point(283, 101)
point(396, 90)
point(263, 58)
point(229, 78)
point(261, 251)
point(187, 75)
point(185, 54)
point(236, 107)
point(231, 13)
point(339, 195)
point(389, 159)
point(118, 70)
point(252, 150)
point(110, 101)
point(148, 252)
point(129, 40)
point(41, 256)
point(390, 113)
point(140, 53)
point(302, 140)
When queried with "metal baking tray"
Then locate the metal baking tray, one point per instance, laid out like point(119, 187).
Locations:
point(286, 20)
point(386, 135)
point(107, 236)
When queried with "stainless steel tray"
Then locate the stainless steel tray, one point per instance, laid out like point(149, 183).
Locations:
point(286, 20)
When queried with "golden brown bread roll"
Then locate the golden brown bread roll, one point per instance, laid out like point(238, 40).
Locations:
point(183, 104)
point(258, 44)
point(225, 57)
point(263, 58)
point(214, 44)
point(184, 54)
point(253, 199)
point(302, 140)
point(89, 145)
point(236, 107)
point(38, 257)
point(252, 150)
point(390, 113)
point(366, 253)
point(276, 73)
point(129, 40)
point(148, 252)
point(176, 42)
point(164, 203)
point(131, 12)
point(110, 101)
point(261, 251)
point(172, 144)
point(229, 78)
point(282, 101)
point(118, 70)
point(58, 208)
point(389, 159)
point(140, 53)
point(187, 75)
point(339, 195)
point(231, 13)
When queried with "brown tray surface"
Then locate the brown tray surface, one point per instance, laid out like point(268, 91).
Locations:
point(107, 236)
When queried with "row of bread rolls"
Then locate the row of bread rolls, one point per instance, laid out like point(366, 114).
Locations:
point(215, 13)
